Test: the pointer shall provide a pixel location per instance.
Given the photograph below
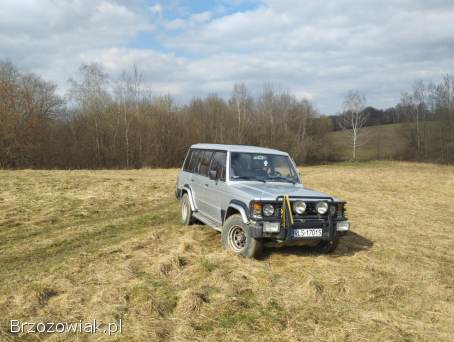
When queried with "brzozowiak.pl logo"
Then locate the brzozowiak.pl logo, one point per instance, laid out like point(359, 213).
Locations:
point(80, 327)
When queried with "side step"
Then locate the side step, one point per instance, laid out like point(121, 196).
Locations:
point(213, 224)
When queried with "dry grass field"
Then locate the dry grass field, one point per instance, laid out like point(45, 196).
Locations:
point(107, 245)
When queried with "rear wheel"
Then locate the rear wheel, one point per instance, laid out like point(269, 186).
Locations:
point(186, 213)
point(236, 236)
point(327, 247)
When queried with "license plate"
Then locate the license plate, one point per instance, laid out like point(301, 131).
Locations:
point(308, 232)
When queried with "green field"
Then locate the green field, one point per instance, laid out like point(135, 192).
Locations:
point(108, 245)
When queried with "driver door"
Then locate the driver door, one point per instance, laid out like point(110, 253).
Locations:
point(216, 188)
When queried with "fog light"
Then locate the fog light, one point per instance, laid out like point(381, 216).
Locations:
point(342, 226)
point(271, 227)
point(299, 207)
point(322, 207)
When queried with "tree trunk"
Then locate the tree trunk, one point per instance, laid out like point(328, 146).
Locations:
point(354, 145)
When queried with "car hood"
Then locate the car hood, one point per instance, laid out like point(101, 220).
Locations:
point(270, 190)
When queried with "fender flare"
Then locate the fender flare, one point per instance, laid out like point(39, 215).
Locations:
point(242, 209)
point(188, 189)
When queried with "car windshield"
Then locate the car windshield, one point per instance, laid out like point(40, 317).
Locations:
point(262, 167)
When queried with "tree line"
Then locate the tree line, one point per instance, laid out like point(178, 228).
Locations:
point(425, 115)
point(118, 123)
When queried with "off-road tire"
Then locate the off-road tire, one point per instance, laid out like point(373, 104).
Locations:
point(186, 213)
point(327, 247)
point(236, 236)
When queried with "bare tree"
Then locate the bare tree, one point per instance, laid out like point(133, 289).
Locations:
point(300, 114)
point(354, 118)
point(132, 94)
point(28, 107)
point(241, 101)
point(443, 94)
point(91, 95)
point(119, 124)
point(419, 97)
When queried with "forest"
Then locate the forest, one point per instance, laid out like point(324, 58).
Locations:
point(102, 122)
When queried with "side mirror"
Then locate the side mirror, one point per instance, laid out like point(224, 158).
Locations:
point(212, 174)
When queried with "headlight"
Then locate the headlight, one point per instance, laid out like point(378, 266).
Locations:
point(268, 210)
point(322, 207)
point(299, 207)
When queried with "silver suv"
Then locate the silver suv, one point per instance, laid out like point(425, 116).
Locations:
point(254, 196)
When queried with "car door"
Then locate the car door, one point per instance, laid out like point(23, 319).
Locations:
point(190, 171)
point(216, 188)
point(200, 181)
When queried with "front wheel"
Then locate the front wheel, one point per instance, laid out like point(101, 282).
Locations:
point(236, 236)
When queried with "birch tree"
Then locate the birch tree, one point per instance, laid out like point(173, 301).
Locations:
point(354, 118)
point(132, 95)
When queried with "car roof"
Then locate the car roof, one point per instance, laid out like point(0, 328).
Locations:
point(239, 148)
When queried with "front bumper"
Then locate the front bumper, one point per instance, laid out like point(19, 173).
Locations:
point(330, 230)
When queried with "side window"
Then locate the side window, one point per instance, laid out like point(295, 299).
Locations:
point(194, 162)
point(218, 164)
point(240, 165)
point(188, 160)
point(204, 162)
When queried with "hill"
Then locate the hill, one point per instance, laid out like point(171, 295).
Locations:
point(108, 245)
point(379, 142)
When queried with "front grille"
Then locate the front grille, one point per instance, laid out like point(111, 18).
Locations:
point(310, 209)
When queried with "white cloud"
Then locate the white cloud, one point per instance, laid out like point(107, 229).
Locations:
point(317, 49)
point(156, 9)
point(49, 37)
point(329, 47)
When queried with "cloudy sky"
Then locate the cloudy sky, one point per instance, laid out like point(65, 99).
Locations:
point(315, 49)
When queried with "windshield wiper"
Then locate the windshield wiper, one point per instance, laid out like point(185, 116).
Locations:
point(251, 178)
point(283, 178)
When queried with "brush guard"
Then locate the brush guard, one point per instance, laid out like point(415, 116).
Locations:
point(288, 223)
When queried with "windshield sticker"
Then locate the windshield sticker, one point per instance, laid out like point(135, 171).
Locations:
point(259, 157)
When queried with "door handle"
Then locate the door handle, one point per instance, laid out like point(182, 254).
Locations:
point(206, 184)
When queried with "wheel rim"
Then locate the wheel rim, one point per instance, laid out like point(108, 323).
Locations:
point(237, 238)
point(184, 211)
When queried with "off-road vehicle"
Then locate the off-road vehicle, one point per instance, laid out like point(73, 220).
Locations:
point(254, 196)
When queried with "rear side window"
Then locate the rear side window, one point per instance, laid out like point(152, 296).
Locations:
point(204, 162)
point(193, 160)
point(218, 164)
point(187, 161)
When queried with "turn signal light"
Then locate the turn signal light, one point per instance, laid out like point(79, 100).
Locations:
point(256, 208)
